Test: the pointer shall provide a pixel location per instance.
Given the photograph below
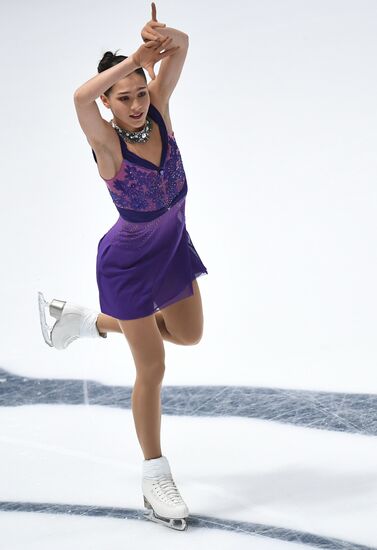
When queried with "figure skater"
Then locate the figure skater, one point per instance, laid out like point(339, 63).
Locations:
point(147, 265)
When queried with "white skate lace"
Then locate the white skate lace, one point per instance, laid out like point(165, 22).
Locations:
point(167, 490)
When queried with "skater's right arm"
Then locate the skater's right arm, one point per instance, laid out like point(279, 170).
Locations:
point(93, 125)
point(96, 129)
point(93, 88)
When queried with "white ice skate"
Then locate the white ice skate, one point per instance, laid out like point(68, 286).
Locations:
point(73, 321)
point(164, 503)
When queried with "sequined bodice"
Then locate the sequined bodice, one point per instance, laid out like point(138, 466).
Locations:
point(141, 190)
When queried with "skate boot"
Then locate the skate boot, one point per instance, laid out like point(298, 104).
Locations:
point(161, 497)
point(73, 321)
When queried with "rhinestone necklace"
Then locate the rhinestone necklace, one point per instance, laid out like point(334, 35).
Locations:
point(140, 136)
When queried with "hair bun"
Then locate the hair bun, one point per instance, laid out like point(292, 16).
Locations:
point(109, 59)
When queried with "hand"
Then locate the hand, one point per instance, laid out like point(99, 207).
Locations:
point(148, 32)
point(150, 53)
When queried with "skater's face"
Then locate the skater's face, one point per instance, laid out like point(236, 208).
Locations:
point(129, 96)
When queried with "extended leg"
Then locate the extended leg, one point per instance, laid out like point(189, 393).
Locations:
point(106, 323)
point(184, 319)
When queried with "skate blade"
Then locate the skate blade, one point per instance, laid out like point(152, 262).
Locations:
point(55, 308)
point(174, 523)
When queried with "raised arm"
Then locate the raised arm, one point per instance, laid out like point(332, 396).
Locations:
point(93, 125)
point(171, 67)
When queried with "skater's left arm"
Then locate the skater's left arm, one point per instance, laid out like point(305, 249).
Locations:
point(171, 66)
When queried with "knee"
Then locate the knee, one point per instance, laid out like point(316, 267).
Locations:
point(151, 375)
point(192, 338)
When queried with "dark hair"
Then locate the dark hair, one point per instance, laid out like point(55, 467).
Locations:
point(109, 59)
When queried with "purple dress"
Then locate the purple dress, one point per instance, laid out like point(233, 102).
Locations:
point(146, 261)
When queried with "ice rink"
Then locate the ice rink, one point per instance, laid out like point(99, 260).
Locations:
point(261, 467)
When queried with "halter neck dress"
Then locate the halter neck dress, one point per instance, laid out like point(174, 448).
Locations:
point(146, 261)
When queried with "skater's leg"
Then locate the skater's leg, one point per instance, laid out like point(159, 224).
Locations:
point(184, 319)
point(165, 334)
point(106, 323)
point(148, 351)
point(161, 497)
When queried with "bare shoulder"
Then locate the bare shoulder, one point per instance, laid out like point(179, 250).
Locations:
point(161, 104)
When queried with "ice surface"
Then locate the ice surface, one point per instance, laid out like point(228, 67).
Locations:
point(245, 459)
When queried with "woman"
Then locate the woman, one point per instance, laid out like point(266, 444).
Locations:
point(146, 263)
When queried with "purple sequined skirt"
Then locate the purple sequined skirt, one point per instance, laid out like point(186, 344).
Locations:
point(143, 267)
